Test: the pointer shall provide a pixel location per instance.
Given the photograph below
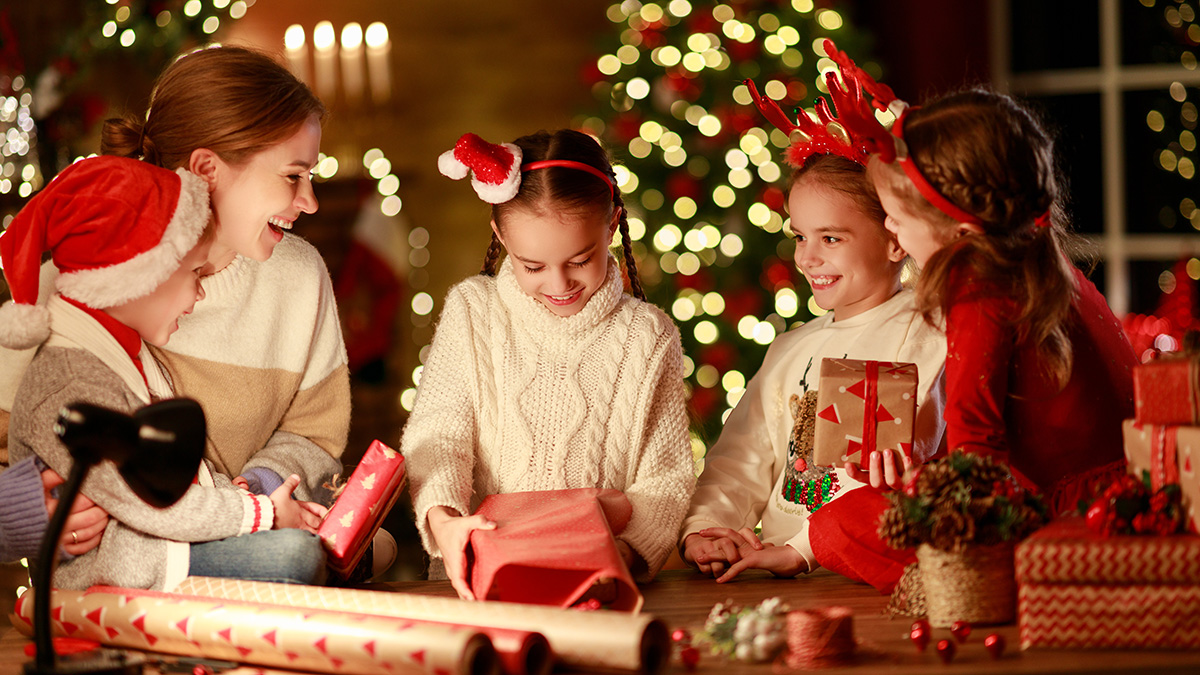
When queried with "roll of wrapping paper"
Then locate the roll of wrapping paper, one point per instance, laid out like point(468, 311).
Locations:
point(582, 639)
point(292, 637)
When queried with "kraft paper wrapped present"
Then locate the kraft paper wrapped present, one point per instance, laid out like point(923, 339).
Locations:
point(1167, 390)
point(864, 406)
point(1078, 588)
point(553, 548)
point(355, 517)
point(1170, 455)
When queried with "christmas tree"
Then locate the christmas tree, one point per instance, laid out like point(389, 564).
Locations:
point(701, 171)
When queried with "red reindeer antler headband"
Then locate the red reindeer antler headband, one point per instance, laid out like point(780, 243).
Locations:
point(859, 119)
point(496, 169)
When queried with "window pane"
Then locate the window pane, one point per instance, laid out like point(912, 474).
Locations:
point(1165, 32)
point(1161, 160)
point(1074, 121)
point(1054, 35)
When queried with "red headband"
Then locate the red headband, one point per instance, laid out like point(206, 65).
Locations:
point(572, 164)
point(891, 147)
point(923, 186)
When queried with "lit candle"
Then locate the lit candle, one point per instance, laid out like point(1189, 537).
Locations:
point(297, 51)
point(379, 54)
point(352, 62)
point(324, 59)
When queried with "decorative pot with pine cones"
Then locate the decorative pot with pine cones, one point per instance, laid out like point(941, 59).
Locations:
point(963, 513)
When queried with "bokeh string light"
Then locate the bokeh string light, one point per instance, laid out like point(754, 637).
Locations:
point(701, 172)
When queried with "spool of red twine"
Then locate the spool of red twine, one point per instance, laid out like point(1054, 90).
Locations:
point(819, 638)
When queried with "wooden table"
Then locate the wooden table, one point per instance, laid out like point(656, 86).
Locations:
point(682, 599)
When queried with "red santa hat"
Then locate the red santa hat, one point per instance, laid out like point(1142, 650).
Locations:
point(115, 228)
point(495, 169)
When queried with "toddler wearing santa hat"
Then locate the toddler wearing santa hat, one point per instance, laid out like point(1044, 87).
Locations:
point(129, 240)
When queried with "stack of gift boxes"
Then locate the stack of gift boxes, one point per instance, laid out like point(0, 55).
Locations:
point(1079, 588)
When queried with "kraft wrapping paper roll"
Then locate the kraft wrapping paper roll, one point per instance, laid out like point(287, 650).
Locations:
point(582, 639)
point(292, 637)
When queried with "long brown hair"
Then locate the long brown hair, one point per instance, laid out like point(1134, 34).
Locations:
point(990, 156)
point(566, 189)
point(231, 100)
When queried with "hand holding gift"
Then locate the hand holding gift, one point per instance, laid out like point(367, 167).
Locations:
point(452, 532)
point(291, 513)
point(886, 469)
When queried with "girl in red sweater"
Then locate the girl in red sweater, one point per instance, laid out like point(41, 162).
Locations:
point(1038, 369)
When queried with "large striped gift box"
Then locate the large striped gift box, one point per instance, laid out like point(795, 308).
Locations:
point(1077, 588)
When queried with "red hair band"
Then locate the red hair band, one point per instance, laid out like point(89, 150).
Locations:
point(572, 164)
point(923, 186)
point(495, 168)
point(861, 119)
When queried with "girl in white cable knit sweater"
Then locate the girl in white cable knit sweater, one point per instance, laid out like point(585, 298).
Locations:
point(545, 374)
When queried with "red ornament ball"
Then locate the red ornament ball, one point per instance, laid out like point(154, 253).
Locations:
point(690, 656)
point(922, 624)
point(961, 630)
point(919, 637)
point(681, 635)
point(995, 644)
point(946, 650)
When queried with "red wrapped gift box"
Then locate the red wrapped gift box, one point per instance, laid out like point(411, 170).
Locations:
point(355, 517)
point(552, 548)
point(1167, 391)
point(1111, 616)
point(863, 406)
point(1077, 588)
point(1169, 454)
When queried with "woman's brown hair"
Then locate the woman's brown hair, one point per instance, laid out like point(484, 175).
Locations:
point(566, 189)
point(231, 100)
point(990, 156)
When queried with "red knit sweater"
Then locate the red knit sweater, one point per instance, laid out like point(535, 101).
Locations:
point(1000, 400)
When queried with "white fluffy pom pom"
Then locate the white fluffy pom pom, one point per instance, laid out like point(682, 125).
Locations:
point(449, 165)
point(23, 326)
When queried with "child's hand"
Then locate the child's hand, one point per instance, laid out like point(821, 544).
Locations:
point(85, 522)
point(452, 532)
point(885, 470)
point(713, 549)
point(290, 513)
point(242, 483)
point(782, 561)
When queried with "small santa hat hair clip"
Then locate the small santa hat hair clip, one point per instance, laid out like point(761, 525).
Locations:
point(495, 169)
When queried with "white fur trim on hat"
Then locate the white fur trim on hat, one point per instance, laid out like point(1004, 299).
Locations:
point(451, 167)
point(140, 275)
point(23, 326)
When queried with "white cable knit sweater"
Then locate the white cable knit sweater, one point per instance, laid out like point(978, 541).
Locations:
point(514, 398)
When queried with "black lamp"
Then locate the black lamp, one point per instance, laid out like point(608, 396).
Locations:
point(157, 451)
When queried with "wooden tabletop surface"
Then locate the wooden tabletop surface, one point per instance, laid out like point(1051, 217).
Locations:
point(683, 598)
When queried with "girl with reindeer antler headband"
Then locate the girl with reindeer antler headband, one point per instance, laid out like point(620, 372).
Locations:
point(1039, 369)
point(761, 468)
point(544, 374)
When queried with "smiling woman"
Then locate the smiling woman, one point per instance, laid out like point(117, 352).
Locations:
point(263, 352)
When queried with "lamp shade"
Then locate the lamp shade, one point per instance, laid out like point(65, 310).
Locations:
point(157, 449)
